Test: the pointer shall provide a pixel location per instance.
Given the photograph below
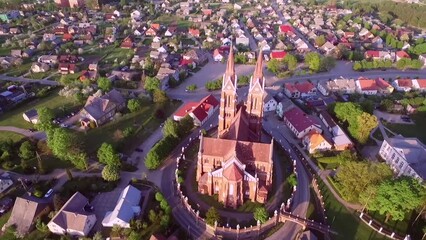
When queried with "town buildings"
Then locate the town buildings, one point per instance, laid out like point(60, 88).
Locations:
point(236, 165)
point(405, 156)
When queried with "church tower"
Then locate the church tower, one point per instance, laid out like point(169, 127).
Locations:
point(255, 98)
point(228, 97)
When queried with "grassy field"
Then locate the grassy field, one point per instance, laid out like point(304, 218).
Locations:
point(346, 223)
point(19, 70)
point(15, 137)
point(143, 122)
point(60, 104)
point(409, 130)
point(41, 75)
point(118, 54)
point(168, 19)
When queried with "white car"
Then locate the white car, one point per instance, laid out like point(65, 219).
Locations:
point(48, 193)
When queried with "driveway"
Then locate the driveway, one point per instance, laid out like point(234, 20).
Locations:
point(392, 118)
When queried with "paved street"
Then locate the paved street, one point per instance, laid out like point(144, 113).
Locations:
point(25, 132)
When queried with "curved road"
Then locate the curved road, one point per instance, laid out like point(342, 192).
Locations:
point(25, 132)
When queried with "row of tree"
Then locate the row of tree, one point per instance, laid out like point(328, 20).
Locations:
point(173, 132)
point(375, 64)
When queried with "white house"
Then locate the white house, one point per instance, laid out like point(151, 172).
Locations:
point(243, 40)
point(126, 209)
point(269, 103)
point(72, 219)
point(217, 56)
point(200, 111)
point(31, 116)
point(406, 156)
point(419, 84)
point(314, 142)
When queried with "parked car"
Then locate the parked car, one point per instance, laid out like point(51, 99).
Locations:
point(32, 129)
point(49, 193)
point(139, 150)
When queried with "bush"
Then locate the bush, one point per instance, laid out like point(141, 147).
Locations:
point(214, 85)
point(38, 193)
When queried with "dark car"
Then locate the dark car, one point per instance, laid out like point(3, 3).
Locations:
point(139, 150)
point(32, 130)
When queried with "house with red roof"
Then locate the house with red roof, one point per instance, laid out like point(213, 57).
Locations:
point(194, 32)
point(152, 31)
point(301, 123)
point(284, 29)
point(278, 55)
point(373, 86)
point(127, 43)
point(217, 56)
point(378, 55)
point(297, 90)
point(403, 85)
point(419, 84)
point(401, 55)
point(207, 12)
point(199, 111)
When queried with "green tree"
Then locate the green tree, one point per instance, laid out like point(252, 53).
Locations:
point(367, 106)
point(104, 84)
point(152, 84)
point(212, 216)
point(355, 177)
point(386, 105)
point(396, 198)
point(98, 236)
point(191, 87)
point(152, 160)
point(26, 150)
point(45, 118)
point(357, 66)
point(274, 66)
point(320, 40)
point(171, 128)
point(260, 214)
point(366, 123)
point(134, 236)
point(186, 124)
point(291, 62)
point(292, 180)
point(41, 226)
point(111, 173)
point(327, 63)
point(159, 96)
point(313, 60)
point(108, 155)
point(134, 105)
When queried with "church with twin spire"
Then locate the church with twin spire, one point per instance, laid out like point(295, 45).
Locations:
point(236, 166)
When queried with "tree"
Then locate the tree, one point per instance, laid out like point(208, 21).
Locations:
point(357, 66)
point(274, 66)
point(45, 117)
point(134, 236)
point(107, 155)
point(41, 226)
point(186, 124)
point(212, 216)
point(61, 142)
point(292, 180)
point(159, 96)
point(171, 128)
point(386, 105)
point(191, 87)
point(327, 63)
point(367, 106)
point(320, 40)
point(260, 214)
point(104, 84)
point(397, 197)
point(111, 173)
point(291, 62)
point(98, 236)
point(366, 123)
point(313, 60)
point(26, 150)
point(134, 105)
point(152, 84)
point(355, 177)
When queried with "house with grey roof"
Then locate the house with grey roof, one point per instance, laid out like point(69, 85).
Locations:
point(405, 156)
point(101, 109)
point(73, 219)
point(338, 85)
point(31, 116)
point(24, 214)
point(127, 207)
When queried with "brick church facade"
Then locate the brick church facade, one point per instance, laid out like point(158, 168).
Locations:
point(236, 165)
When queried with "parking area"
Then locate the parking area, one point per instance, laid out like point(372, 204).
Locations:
point(392, 118)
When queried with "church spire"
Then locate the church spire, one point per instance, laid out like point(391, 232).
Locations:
point(229, 75)
point(258, 70)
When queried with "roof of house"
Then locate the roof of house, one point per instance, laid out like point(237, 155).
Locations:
point(422, 83)
point(72, 215)
point(233, 172)
point(402, 54)
point(299, 119)
point(303, 87)
point(372, 53)
point(31, 113)
point(24, 212)
point(405, 83)
point(278, 54)
point(286, 28)
point(98, 106)
point(316, 139)
point(128, 199)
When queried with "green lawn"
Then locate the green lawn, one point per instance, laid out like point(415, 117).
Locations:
point(346, 223)
point(168, 19)
point(61, 106)
point(88, 186)
point(15, 137)
point(41, 75)
point(5, 51)
point(118, 54)
point(143, 122)
point(19, 71)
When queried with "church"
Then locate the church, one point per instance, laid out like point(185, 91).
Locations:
point(236, 165)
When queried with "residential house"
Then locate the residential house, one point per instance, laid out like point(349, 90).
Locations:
point(301, 123)
point(164, 74)
point(100, 110)
point(406, 156)
point(340, 139)
point(339, 85)
point(200, 111)
point(25, 212)
point(126, 208)
point(243, 40)
point(47, 37)
point(125, 75)
point(217, 56)
point(31, 116)
point(14, 96)
point(401, 55)
point(419, 84)
point(153, 30)
point(171, 31)
point(286, 29)
point(278, 55)
point(194, 32)
point(73, 219)
point(39, 67)
point(403, 85)
point(67, 68)
point(48, 59)
point(315, 142)
point(373, 86)
point(379, 55)
point(91, 73)
point(298, 90)
point(5, 183)
point(327, 47)
point(269, 103)
point(197, 55)
point(284, 104)
point(127, 43)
